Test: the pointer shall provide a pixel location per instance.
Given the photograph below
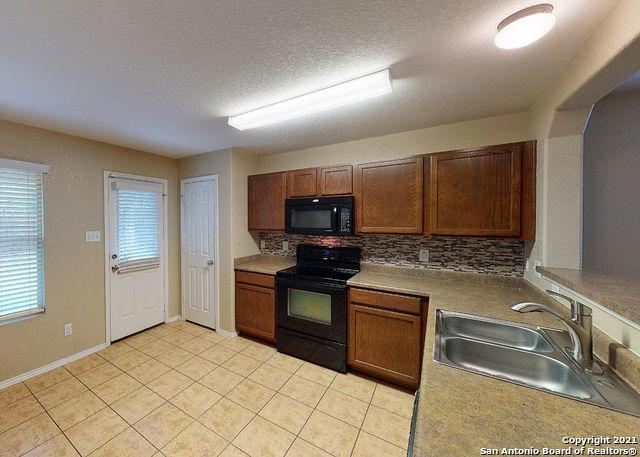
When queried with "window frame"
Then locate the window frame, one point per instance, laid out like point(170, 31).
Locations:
point(43, 169)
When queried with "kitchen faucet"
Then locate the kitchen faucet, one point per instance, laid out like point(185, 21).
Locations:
point(579, 327)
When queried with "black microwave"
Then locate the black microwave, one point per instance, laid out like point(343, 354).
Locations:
point(332, 216)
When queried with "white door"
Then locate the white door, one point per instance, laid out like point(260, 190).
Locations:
point(136, 256)
point(199, 241)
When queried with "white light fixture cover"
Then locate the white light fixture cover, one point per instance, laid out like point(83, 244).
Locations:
point(526, 26)
point(362, 88)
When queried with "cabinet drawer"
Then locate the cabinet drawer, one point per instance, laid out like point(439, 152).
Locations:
point(383, 300)
point(257, 279)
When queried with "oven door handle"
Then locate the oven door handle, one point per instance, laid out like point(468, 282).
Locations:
point(297, 283)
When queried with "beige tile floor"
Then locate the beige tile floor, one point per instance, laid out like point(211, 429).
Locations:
point(182, 390)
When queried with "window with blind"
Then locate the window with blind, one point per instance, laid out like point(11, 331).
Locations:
point(21, 238)
point(137, 223)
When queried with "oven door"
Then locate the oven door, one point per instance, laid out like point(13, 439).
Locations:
point(312, 308)
point(311, 219)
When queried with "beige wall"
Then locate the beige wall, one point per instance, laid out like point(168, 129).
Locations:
point(243, 164)
point(611, 186)
point(479, 132)
point(74, 269)
point(557, 121)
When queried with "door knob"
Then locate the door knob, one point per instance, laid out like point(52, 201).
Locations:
point(115, 268)
point(210, 262)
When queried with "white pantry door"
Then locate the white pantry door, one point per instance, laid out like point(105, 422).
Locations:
point(136, 256)
point(199, 242)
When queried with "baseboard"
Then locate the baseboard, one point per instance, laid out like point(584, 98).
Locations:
point(227, 334)
point(177, 317)
point(51, 366)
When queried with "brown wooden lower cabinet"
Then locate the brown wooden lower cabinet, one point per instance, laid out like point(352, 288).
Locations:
point(256, 305)
point(386, 335)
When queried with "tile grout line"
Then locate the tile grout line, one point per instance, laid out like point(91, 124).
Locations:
point(363, 419)
point(107, 405)
point(165, 401)
point(236, 352)
point(307, 421)
point(54, 422)
point(26, 420)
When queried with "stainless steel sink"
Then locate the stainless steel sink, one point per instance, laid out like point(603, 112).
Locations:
point(529, 356)
point(516, 365)
point(502, 333)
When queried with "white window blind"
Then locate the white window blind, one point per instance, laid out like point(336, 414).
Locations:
point(21, 239)
point(138, 227)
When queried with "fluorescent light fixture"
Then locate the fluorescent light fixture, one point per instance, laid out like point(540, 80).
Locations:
point(362, 88)
point(526, 26)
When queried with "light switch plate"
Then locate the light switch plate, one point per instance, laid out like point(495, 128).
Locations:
point(68, 329)
point(424, 255)
point(92, 236)
point(285, 245)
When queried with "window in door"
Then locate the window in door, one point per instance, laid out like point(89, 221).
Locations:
point(21, 239)
point(137, 227)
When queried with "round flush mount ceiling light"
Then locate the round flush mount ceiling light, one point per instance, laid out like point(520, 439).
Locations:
point(525, 26)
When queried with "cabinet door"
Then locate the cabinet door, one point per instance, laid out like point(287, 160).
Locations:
point(385, 344)
point(266, 201)
point(389, 196)
point(476, 192)
point(256, 311)
point(336, 180)
point(302, 183)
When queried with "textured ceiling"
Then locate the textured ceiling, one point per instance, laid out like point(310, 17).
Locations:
point(162, 75)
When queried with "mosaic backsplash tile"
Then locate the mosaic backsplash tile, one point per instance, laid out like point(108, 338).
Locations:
point(476, 255)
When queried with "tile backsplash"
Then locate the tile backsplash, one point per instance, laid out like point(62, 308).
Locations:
point(477, 255)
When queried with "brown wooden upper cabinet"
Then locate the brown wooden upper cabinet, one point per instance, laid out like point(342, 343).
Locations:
point(389, 196)
point(488, 191)
point(266, 201)
point(336, 180)
point(302, 183)
point(325, 181)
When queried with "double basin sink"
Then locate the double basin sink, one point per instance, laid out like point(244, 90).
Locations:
point(527, 355)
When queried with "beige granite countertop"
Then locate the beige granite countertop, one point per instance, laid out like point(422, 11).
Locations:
point(618, 293)
point(266, 264)
point(461, 412)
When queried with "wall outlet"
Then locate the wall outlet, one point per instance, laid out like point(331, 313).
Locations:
point(68, 329)
point(424, 255)
point(92, 236)
point(285, 245)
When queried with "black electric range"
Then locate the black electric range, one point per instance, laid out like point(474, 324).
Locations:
point(311, 302)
